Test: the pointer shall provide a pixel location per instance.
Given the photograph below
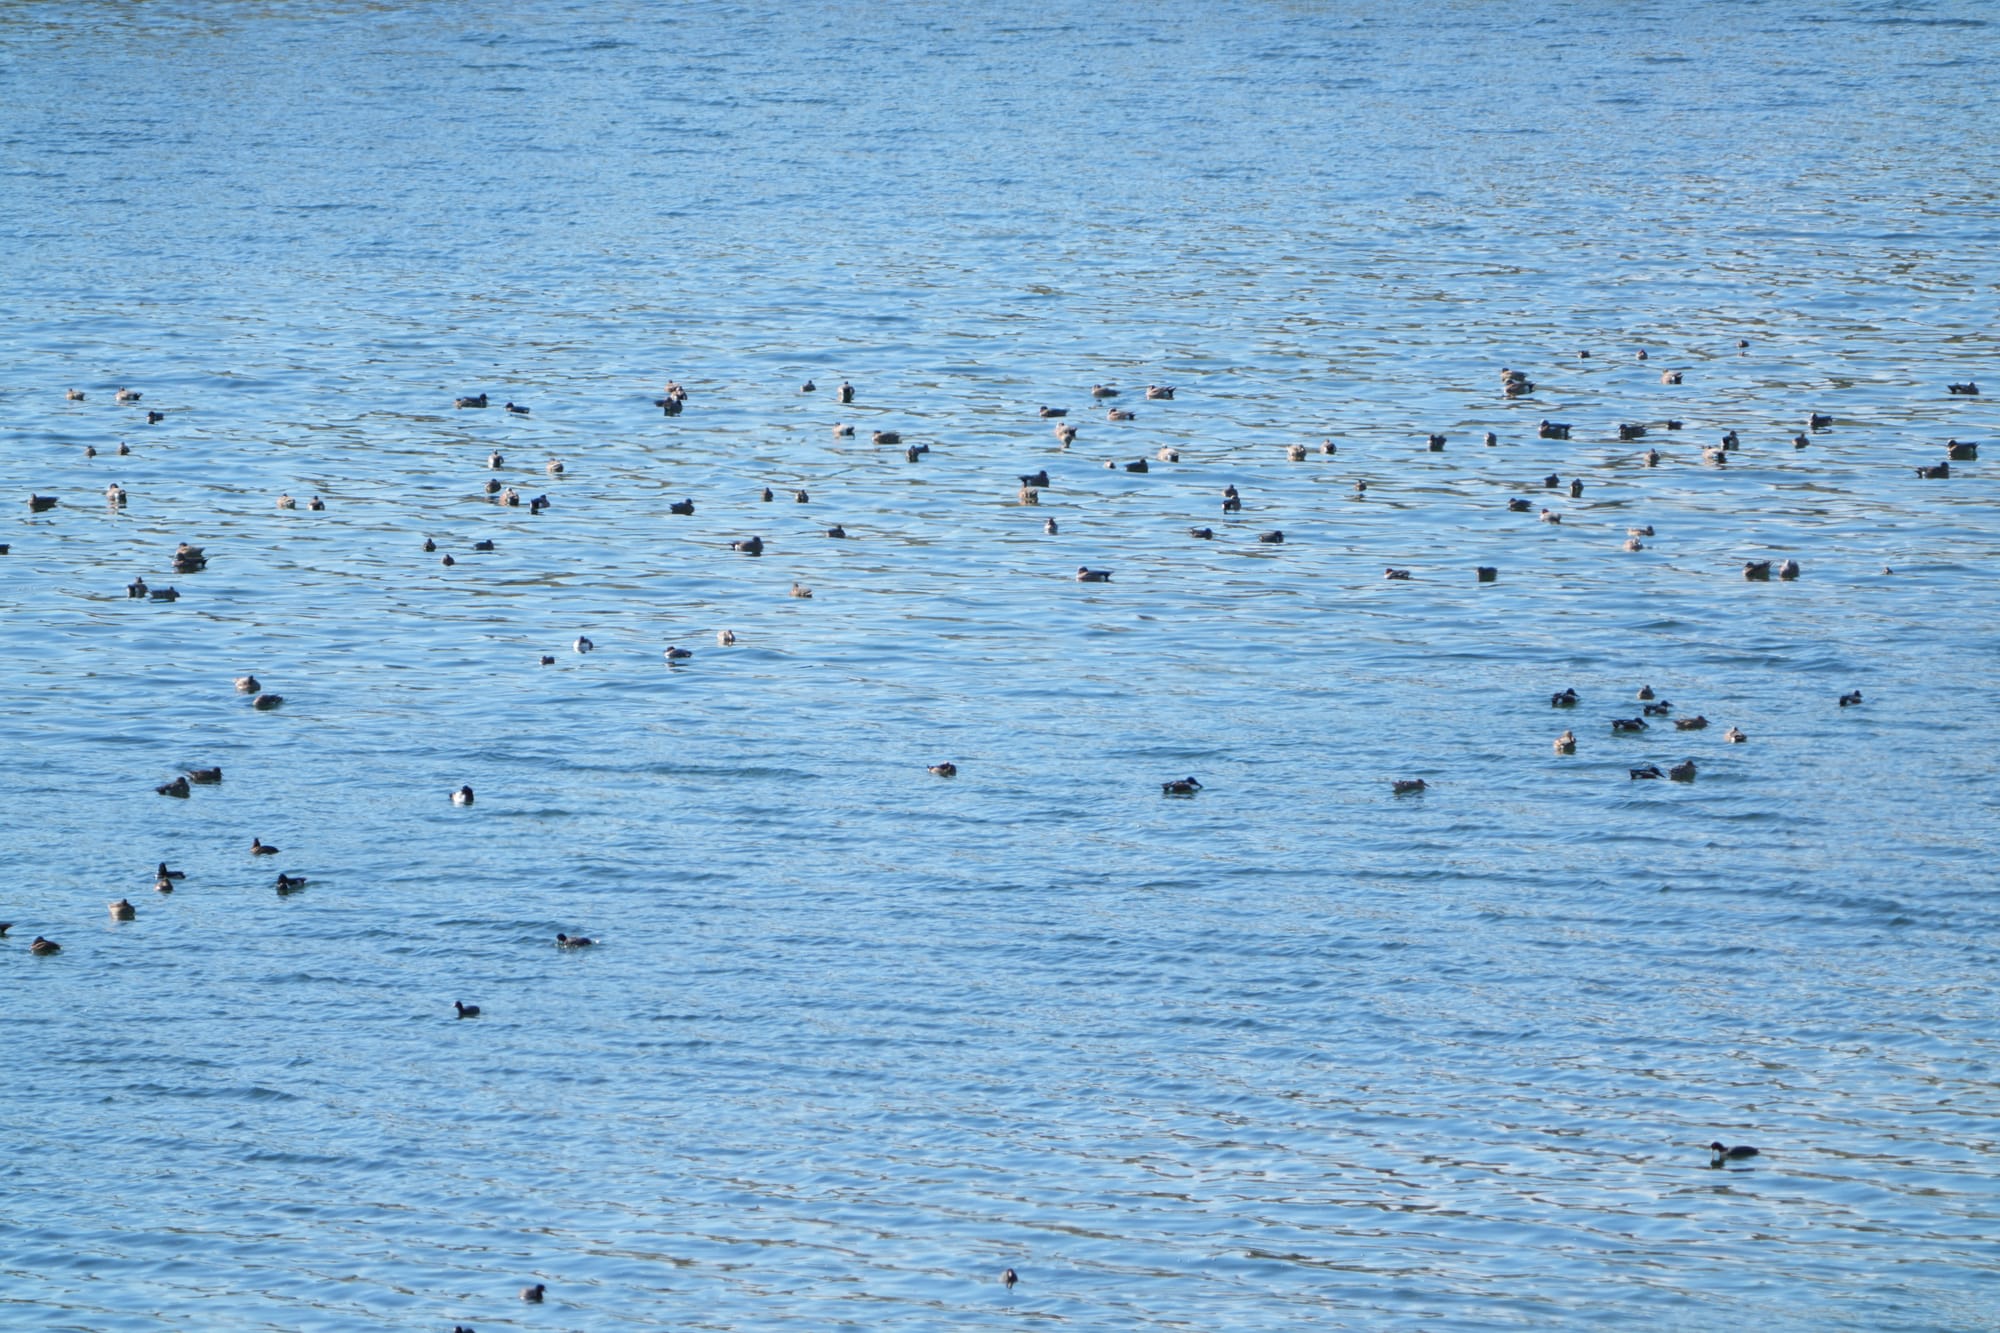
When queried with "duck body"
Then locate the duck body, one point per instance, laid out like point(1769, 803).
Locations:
point(1160, 392)
point(259, 848)
point(1648, 772)
point(465, 1010)
point(164, 873)
point(725, 637)
point(1487, 573)
point(517, 409)
point(1408, 786)
point(673, 654)
point(1757, 571)
point(681, 507)
point(1120, 414)
point(1085, 574)
point(573, 942)
point(1187, 786)
point(1552, 430)
point(1735, 736)
point(1566, 743)
point(945, 770)
point(264, 703)
point(463, 796)
point(582, 645)
point(290, 883)
point(1682, 772)
point(1399, 575)
point(122, 910)
point(1054, 413)
point(1628, 724)
point(1852, 700)
point(1036, 478)
point(886, 436)
point(1718, 1154)
point(42, 948)
point(748, 545)
point(1563, 699)
point(1695, 723)
point(163, 594)
point(476, 400)
point(206, 777)
point(178, 787)
point(1969, 389)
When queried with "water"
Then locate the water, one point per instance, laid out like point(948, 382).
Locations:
point(1294, 1052)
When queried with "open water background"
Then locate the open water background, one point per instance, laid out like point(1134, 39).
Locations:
point(1295, 1053)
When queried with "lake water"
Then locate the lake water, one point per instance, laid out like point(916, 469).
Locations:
point(1295, 1052)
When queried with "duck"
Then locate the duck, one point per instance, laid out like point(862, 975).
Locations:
point(1393, 573)
point(122, 910)
point(1120, 414)
point(1648, 771)
point(800, 590)
point(1645, 692)
point(1670, 376)
point(317, 505)
point(123, 448)
point(836, 531)
point(264, 703)
point(1718, 1154)
point(1735, 736)
point(547, 660)
point(1139, 466)
point(1660, 709)
point(1651, 457)
point(808, 387)
point(495, 461)
point(42, 948)
point(1682, 772)
point(1054, 413)
point(476, 400)
point(1436, 443)
point(1634, 544)
point(1102, 391)
point(1935, 471)
point(463, 796)
point(748, 545)
point(261, 849)
point(517, 409)
point(1187, 786)
point(1628, 724)
point(1295, 453)
point(1576, 488)
point(681, 507)
point(114, 495)
point(1818, 420)
point(1328, 447)
point(1160, 392)
point(1272, 538)
point(1715, 457)
point(430, 546)
point(465, 1010)
point(90, 451)
point(582, 644)
point(1788, 570)
point(136, 588)
point(509, 497)
point(945, 770)
point(484, 544)
point(1552, 430)
point(674, 654)
point(247, 685)
point(1231, 501)
point(40, 504)
point(164, 873)
point(1009, 1278)
point(287, 502)
point(574, 942)
point(845, 394)
point(842, 431)
point(163, 594)
point(886, 437)
point(800, 497)
point(1028, 495)
point(1757, 571)
point(1168, 454)
point(1551, 516)
point(1519, 506)
point(533, 1295)
point(128, 396)
point(155, 418)
point(1085, 574)
point(1552, 481)
point(916, 451)
point(1487, 573)
point(178, 787)
point(1969, 389)
point(290, 883)
point(1408, 786)
point(1851, 700)
point(1204, 534)
point(1491, 441)
point(1961, 451)
point(1360, 489)
point(74, 395)
point(1630, 430)
point(1674, 423)
point(206, 777)
point(725, 637)
point(1800, 441)
point(162, 884)
point(1066, 433)
point(539, 505)
point(1566, 743)
point(1695, 723)
point(555, 467)
point(1036, 478)
point(448, 561)
point(1049, 527)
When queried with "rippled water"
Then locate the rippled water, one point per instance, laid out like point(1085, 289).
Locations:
point(1295, 1052)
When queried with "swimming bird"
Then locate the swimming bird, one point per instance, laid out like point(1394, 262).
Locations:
point(800, 590)
point(1085, 574)
point(128, 395)
point(259, 849)
point(1158, 392)
point(1718, 1154)
point(123, 448)
point(1735, 736)
point(1551, 482)
point(1628, 724)
point(1852, 700)
point(1634, 544)
point(1053, 413)
point(1120, 414)
point(164, 873)
point(548, 660)
point(1628, 430)
point(495, 461)
point(1487, 573)
point(1576, 488)
point(1328, 447)
point(189, 559)
point(1102, 391)
point(1732, 441)
point(42, 948)
point(582, 644)
point(178, 787)
point(533, 1295)
point(1682, 772)
point(1670, 377)
point(1187, 786)
point(163, 595)
point(808, 387)
point(1652, 457)
point(429, 546)
point(477, 400)
point(1551, 516)
point(555, 467)
point(1519, 506)
point(573, 942)
point(1491, 441)
point(1066, 433)
point(725, 637)
point(90, 451)
point(74, 395)
point(247, 685)
point(465, 1010)
point(114, 495)
point(1408, 786)
point(448, 562)
point(1552, 430)
point(1398, 574)
point(1231, 501)
point(1204, 534)
point(287, 502)
point(539, 504)
point(264, 703)
point(290, 883)
point(1646, 692)
point(1295, 453)
point(673, 654)
point(40, 504)
point(1036, 478)
point(1140, 466)
point(1168, 454)
point(845, 394)
point(836, 531)
point(1272, 538)
point(1566, 743)
point(485, 544)
point(1961, 452)
point(1968, 389)
point(769, 495)
point(842, 431)
point(1660, 709)
point(1715, 457)
point(122, 910)
point(800, 497)
point(1049, 527)
point(1788, 570)
point(1758, 571)
point(1009, 1278)
point(206, 777)
point(163, 885)
point(1695, 723)
point(517, 409)
point(1818, 420)
point(155, 418)
point(1649, 771)
point(316, 504)
point(463, 796)
point(945, 770)
point(748, 545)
point(886, 437)
point(1935, 472)
point(136, 588)
point(1800, 441)
point(916, 451)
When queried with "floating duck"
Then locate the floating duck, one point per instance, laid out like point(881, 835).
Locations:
point(122, 910)
point(555, 467)
point(1695, 723)
point(259, 849)
point(1408, 786)
point(1159, 392)
point(582, 644)
point(1649, 771)
point(74, 395)
point(42, 948)
point(1566, 743)
point(247, 685)
point(448, 561)
point(1646, 692)
point(189, 559)
point(287, 502)
point(1852, 700)
point(1168, 454)
point(573, 942)
point(800, 497)
point(1054, 413)
point(463, 796)
point(1436, 443)
point(1552, 430)
point(1486, 573)
point(485, 544)
point(1066, 433)
point(40, 504)
point(1630, 430)
point(128, 395)
point(178, 787)
point(1120, 414)
point(1961, 452)
point(1295, 453)
point(725, 637)
point(206, 777)
point(264, 703)
point(1140, 466)
point(1788, 570)
point(1682, 772)
point(495, 461)
point(1652, 457)
point(1551, 516)
point(945, 770)
point(1049, 527)
point(163, 594)
point(1393, 573)
point(673, 654)
point(1036, 478)
point(1272, 538)
point(748, 545)
point(1204, 534)
point(837, 531)
point(1969, 389)
point(1102, 391)
point(290, 883)
point(1634, 544)
point(1084, 574)
point(681, 507)
point(1757, 571)
point(800, 590)
point(1735, 736)
point(808, 387)
point(842, 431)
point(465, 1010)
point(1935, 471)
point(1519, 506)
point(477, 400)
point(136, 588)
point(886, 437)
point(1628, 724)
point(1009, 1278)
point(533, 1295)
point(1187, 786)
point(1670, 377)
point(1718, 1154)
point(845, 394)
point(166, 874)
point(1660, 709)
point(517, 409)
point(317, 505)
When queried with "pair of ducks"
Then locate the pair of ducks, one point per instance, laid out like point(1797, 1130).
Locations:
point(1682, 772)
point(203, 777)
point(287, 502)
point(1759, 571)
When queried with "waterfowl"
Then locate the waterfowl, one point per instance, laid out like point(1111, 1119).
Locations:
point(555, 467)
point(1695, 723)
point(748, 545)
point(1049, 527)
point(1583, 355)
point(122, 910)
point(484, 544)
point(1551, 516)
point(1028, 495)
point(1272, 538)
point(1851, 700)
point(510, 497)
point(114, 495)
point(465, 1010)
point(1054, 413)
point(90, 451)
point(161, 884)
point(1360, 489)
point(1649, 771)
point(1628, 724)
point(1036, 478)
point(1408, 786)
point(836, 531)
point(1231, 501)
point(517, 409)
point(1205, 534)
point(582, 644)
point(495, 461)
point(1187, 786)
point(1968, 389)
point(1576, 488)
point(1066, 433)
point(1716, 456)
point(1670, 377)
point(448, 562)
point(264, 703)
point(1295, 453)
point(845, 394)
point(205, 777)
point(1788, 570)
point(1551, 482)
point(842, 431)
point(725, 637)
point(1009, 1278)
point(1629, 430)
point(1683, 771)
point(887, 437)
point(1519, 506)
point(1758, 571)
point(1818, 420)
point(1935, 472)
point(178, 787)
point(128, 395)
point(163, 594)
point(1487, 573)
point(1436, 443)
point(1084, 574)
point(287, 502)
point(1652, 457)
point(1660, 709)
point(40, 504)
point(539, 504)
point(1634, 544)
point(1646, 692)
point(1329, 448)
point(1395, 573)
point(916, 451)
point(1102, 391)
point(1140, 466)
point(477, 400)
point(1159, 392)
point(669, 406)
point(800, 590)
point(1961, 452)
point(43, 948)
point(259, 849)
point(155, 418)
point(164, 873)
point(1491, 441)
point(945, 770)
point(136, 588)
point(5, 926)
point(290, 883)
point(1800, 441)
point(123, 448)
point(1719, 1154)
point(548, 660)
point(74, 395)
point(1519, 388)
point(573, 942)
point(800, 497)
point(1552, 430)
point(533, 1295)
point(808, 387)
point(463, 796)
point(1566, 743)
point(1735, 736)
point(247, 685)
point(1168, 454)
point(674, 654)
point(316, 504)
point(1120, 414)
